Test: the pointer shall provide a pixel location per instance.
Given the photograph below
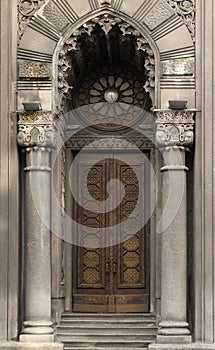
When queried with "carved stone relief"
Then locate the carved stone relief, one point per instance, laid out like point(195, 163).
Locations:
point(159, 13)
point(186, 9)
point(36, 130)
point(105, 3)
point(180, 66)
point(34, 69)
point(175, 127)
point(54, 16)
point(26, 10)
point(106, 22)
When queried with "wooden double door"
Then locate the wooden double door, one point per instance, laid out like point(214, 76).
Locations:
point(111, 263)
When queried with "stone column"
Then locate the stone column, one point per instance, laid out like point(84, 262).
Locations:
point(37, 137)
point(174, 137)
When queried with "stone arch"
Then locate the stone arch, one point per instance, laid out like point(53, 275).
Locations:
point(106, 19)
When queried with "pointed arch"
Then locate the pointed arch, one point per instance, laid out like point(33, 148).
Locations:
point(106, 18)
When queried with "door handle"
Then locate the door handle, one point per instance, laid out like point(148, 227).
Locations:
point(107, 267)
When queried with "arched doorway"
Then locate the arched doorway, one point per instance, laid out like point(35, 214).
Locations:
point(111, 98)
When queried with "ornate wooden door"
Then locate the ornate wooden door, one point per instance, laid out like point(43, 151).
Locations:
point(111, 271)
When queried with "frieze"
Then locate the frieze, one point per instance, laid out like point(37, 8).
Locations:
point(36, 117)
point(180, 66)
point(186, 9)
point(159, 14)
point(175, 127)
point(77, 143)
point(26, 10)
point(34, 69)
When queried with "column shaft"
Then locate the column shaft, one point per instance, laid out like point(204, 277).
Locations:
point(37, 264)
point(174, 250)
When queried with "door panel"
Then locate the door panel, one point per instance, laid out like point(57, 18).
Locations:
point(116, 278)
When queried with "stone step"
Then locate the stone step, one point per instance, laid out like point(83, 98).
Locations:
point(106, 331)
point(127, 323)
point(113, 331)
point(110, 345)
point(127, 326)
point(103, 348)
point(107, 315)
point(103, 338)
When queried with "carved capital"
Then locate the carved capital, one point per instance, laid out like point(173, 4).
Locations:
point(36, 130)
point(175, 127)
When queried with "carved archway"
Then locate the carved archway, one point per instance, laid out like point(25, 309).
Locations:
point(106, 20)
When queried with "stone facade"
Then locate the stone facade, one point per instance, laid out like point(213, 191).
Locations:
point(177, 41)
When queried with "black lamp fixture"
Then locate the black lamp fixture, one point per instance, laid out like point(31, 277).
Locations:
point(32, 106)
point(177, 104)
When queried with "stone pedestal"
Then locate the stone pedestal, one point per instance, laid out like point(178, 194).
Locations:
point(174, 137)
point(37, 137)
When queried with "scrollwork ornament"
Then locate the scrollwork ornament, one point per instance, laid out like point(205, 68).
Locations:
point(186, 9)
point(26, 10)
point(175, 128)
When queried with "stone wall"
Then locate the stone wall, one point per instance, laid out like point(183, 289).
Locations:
point(9, 272)
point(204, 219)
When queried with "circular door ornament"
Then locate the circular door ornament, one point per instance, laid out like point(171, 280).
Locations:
point(107, 94)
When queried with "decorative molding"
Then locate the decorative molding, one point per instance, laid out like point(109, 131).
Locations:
point(94, 4)
point(106, 143)
point(36, 130)
point(180, 66)
point(186, 9)
point(34, 69)
point(45, 85)
point(166, 28)
point(158, 14)
point(175, 127)
point(34, 56)
point(106, 22)
point(26, 9)
point(176, 82)
point(185, 52)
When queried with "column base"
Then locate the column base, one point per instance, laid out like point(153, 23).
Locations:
point(30, 346)
point(37, 338)
point(174, 339)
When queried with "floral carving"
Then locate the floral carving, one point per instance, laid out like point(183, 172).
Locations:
point(175, 127)
point(186, 9)
point(36, 129)
point(26, 9)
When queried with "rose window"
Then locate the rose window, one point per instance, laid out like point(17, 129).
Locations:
point(108, 95)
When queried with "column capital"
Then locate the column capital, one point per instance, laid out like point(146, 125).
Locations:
point(36, 129)
point(175, 127)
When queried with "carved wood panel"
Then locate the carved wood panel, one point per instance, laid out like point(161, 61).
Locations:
point(113, 278)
